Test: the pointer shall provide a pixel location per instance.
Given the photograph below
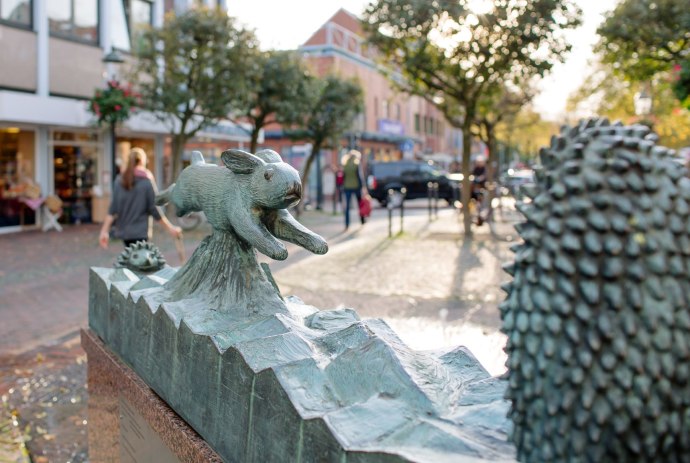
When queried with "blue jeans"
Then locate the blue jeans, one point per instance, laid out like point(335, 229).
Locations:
point(348, 196)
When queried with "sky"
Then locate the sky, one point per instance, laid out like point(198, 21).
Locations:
point(288, 24)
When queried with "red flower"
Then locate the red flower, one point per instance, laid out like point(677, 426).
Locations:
point(118, 107)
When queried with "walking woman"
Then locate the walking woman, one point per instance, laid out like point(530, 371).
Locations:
point(352, 183)
point(132, 205)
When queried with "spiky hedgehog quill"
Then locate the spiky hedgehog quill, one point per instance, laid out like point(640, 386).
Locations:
point(597, 315)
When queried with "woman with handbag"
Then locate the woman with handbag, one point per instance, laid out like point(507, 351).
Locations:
point(132, 204)
point(352, 185)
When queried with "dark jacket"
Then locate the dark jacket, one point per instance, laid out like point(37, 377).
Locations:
point(133, 208)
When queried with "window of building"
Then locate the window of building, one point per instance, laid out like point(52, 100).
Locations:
point(397, 111)
point(376, 107)
point(385, 107)
point(431, 126)
point(17, 177)
point(75, 172)
point(139, 18)
point(74, 19)
point(130, 18)
point(416, 122)
point(16, 12)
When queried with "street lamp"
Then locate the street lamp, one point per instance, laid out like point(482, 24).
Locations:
point(643, 102)
point(112, 59)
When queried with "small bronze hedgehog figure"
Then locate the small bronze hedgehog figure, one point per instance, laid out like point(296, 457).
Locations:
point(598, 313)
point(141, 257)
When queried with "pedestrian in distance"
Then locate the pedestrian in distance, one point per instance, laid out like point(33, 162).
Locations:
point(132, 206)
point(352, 183)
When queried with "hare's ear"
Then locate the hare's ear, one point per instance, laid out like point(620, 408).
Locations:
point(240, 162)
point(268, 156)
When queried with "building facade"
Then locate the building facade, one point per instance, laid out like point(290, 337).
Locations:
point(393, 125)
point(51, 62)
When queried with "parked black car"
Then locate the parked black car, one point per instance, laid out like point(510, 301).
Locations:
point(413, 175)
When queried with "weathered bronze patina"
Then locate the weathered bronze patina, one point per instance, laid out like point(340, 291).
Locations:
point(598, 314)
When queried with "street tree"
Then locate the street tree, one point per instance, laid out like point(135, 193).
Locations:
point(525, 132)
point(193, 71)
point(607, 93)
point(495, 109)
point(641, 38)
point(453, 52)
point(280, 92)
point(335, 103)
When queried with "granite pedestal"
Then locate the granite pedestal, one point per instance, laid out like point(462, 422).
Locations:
point(128, 422)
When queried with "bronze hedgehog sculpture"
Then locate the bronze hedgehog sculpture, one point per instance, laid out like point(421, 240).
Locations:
point(598, 315)
point(141, 256)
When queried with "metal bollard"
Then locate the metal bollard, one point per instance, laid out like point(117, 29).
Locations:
point(389, 206)
point(403, 191)
point(436, 200)
point(429, 194)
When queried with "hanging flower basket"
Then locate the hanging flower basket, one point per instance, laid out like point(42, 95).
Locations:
point(115, 103)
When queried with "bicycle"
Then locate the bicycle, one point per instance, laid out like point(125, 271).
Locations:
point(483, 208)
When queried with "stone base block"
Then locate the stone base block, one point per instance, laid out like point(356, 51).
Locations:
point(128, 422)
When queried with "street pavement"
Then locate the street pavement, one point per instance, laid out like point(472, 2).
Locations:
point(434, 288)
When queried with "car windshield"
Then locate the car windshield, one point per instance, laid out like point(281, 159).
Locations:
point(431, 170)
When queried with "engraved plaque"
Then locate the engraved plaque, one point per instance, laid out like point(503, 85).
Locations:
point(138, 442)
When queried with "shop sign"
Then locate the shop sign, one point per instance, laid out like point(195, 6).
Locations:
point(391, 127)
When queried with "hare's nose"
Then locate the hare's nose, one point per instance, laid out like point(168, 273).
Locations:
point(295, 190)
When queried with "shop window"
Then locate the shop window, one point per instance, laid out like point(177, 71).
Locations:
point(16, 12)
point(416, 123)
point(76, 173)
point(74, 19)
point(17, 178)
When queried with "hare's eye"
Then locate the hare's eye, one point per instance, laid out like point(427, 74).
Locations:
point(268, 174)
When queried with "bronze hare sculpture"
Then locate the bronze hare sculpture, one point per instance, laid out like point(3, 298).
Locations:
point(245, 202)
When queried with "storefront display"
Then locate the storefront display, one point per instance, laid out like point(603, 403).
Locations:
point(18, 189)
point(75, 158)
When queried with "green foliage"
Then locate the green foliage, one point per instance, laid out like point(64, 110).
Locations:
point(444, 49)
point(280, 92)
point(454, 56)
point(607, 94)
point(681, 82)
point(334, 109)
point(641, 38)
point(114, 104)
point(334, 104)
point(193, 71)
point(604, 93)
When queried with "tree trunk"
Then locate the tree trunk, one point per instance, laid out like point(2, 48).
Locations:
point(254, 139)
point(307, 168)
point(466, 185)
point(491, 164)
point(178, 142)
point(256, 128)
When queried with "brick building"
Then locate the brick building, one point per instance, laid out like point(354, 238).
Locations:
point(393, 125)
